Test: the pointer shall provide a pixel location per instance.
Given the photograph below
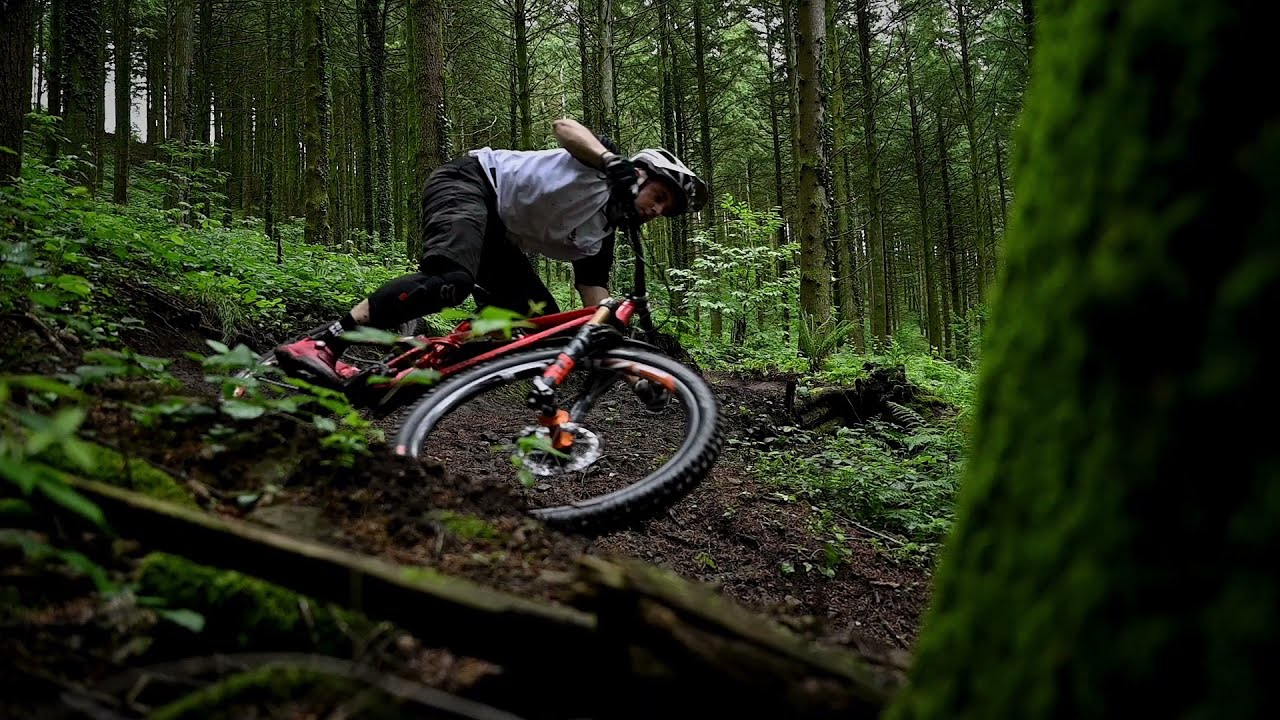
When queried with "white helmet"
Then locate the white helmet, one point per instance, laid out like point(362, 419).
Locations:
point(691, 192)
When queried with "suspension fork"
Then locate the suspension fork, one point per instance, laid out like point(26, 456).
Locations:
point(542, 395)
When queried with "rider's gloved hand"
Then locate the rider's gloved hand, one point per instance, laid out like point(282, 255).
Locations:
point(622, 176)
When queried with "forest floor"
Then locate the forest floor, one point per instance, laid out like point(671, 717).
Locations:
point(733, 531)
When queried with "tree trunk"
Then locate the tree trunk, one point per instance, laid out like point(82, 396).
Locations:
point(949, 214)
point(180, 99)
point(124, 98)
point(926, 246)
point(981, 242)
point(156, 73)
point(704, 136)
point(520, 26)
point(428, 54)
point(608, 90)
point(316, 120)
point(780, 238)
point(17, 18)
point(1029, 23)
point(82, 29)
point(366, 141)
point(815, 269)
point(57, 74)
point(375, 33)
point(846, 272)
point(1090, 560)
point(875, 229)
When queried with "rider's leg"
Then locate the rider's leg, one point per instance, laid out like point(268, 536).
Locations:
point(510, 281)
point(458, 211)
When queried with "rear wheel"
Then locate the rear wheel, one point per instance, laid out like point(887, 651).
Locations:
point(626, 461)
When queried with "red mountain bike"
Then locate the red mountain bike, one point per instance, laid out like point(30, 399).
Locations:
point(559, 404)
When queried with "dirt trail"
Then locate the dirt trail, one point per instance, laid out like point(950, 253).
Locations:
point(731, 531)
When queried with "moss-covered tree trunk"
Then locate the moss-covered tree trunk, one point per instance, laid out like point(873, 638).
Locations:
point(17, 17)
point(811, 198)
point(316, 123)
point(1118, 529)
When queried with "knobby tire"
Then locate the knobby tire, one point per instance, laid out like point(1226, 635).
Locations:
point(701, 446)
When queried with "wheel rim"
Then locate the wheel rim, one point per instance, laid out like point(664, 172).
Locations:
point(472, 429)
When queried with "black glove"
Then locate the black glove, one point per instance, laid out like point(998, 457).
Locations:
point(622, 176)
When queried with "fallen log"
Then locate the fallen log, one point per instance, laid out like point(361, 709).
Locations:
point(651, 643)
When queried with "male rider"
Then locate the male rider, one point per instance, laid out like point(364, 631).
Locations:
point(483, 211)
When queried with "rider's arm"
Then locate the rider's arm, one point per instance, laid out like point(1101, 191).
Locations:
point(580, 142)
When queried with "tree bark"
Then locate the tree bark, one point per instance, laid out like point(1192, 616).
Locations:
point(82, 31)
point(375, 28)
point(17, 18)
point(316, 123)
point(428, 54)
point(1090, 559)
point(815, 268)
point(124, 98)
point(875, 228)
point(929, 292)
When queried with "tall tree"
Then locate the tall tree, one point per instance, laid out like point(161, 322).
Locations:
point(123, 36)
point(375, 28)
point(428, 54)
point(879, 305)
point(1090, 561)
point(815, 269)
point(17, 18)
point(316, 123)
point(82, 32)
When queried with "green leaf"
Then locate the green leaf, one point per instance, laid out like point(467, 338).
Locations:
point(371, 335)
point(419, 376)
point(242, 410)
point(14, 507)
point(326, 424)
point(74, 284)
point(189, 619)
point(217, 346)
point(22, 474)
point(42, 383)
point(45, 298)
point(79, 452)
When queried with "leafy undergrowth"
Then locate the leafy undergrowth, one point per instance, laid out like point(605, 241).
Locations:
point(87, 265)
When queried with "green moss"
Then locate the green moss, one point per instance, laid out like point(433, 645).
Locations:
point(465, 526)
point(244, 613)
point(1116, 532)
point(243, 694)
point(110, 467)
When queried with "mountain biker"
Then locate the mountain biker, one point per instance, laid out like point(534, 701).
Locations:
point(483, 211)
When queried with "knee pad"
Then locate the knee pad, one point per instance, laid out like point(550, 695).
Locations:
point(419, 294)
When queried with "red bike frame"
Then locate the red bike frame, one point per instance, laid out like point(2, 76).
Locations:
point(434, 354)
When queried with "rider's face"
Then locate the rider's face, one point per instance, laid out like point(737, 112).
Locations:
point(653, 200)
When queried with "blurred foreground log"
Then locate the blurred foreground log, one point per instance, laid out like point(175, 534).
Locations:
point(652, 642)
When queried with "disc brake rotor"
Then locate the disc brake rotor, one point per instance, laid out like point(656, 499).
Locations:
point(584, 451)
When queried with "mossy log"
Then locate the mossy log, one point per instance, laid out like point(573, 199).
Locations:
point(825, 408)
point(673, 642)
point(318, 683)
point(439, 609)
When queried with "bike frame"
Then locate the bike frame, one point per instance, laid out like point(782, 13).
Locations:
point(434, 352)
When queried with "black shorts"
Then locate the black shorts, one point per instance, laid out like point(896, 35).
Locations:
point(461, 224)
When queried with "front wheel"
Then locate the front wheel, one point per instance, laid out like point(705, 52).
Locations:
point(627, 461)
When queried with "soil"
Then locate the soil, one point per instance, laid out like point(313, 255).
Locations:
point(732, 531)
